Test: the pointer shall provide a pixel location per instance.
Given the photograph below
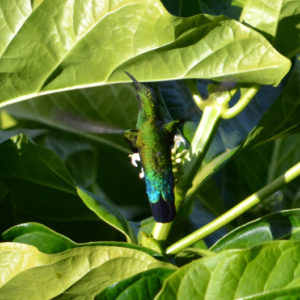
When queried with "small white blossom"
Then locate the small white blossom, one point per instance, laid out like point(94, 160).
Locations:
point(142, 174)
point(135, 157)
point(178, 140)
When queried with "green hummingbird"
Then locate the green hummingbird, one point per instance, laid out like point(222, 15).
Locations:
point(153, 140)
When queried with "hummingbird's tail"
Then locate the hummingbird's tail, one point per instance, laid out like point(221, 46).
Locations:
point(163, 211)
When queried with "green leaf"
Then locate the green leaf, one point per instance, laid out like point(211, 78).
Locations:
point(279, 21)
point(143, 286)
point(46, 189)
point(280, 225)
point(189, 254)
point(79, 272)
point(23, 159)
point(6, 121)
point(40, 236)
point(267, 271)
point(271, 160)
point(62, 46)
point(49, 241)
point(97, 168)
point(106, 212)
point(208, 169)
point(110, 107)
point(283, 116)
point(13, 16)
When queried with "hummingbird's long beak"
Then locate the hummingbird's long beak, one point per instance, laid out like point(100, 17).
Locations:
point(136, 83)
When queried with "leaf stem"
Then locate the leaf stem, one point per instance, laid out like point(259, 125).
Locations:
point(236, 211)
point(244, 100)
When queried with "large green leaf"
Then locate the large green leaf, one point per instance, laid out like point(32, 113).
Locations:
point(46, 189)
point(80, 272)
point(268, 271)
point(280, 225)
point(143, 286)
point(107, 212)
point(12, 17)
point(279, 20)
point(65, 45)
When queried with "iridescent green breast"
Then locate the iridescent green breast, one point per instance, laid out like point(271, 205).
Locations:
point(154, 150)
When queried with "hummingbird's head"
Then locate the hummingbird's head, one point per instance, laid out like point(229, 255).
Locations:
point(145, 95)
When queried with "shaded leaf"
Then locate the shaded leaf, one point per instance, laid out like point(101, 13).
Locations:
point(112, 106)
point(49, 241)
point(280, 225)
point(42, 177)
point(100, 169)
point(263, 272)
point(182, 8)
point(40, 236)
point(106, 212)
point(271, 160)
point(189, 254)
point(143, 286)
point(283, 116)
point(229, 8)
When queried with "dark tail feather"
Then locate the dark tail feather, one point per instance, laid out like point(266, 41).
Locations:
point(163, 211)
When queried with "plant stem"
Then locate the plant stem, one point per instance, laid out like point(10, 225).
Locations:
point(200, 143)
point(192, 85)
point(236, 211)
point(246, 97)
point(161, 231)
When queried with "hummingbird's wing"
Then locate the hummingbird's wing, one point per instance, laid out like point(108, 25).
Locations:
point(130, 136)
point(86, 125)
point(170, 127)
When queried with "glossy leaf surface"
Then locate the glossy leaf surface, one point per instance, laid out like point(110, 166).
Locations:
point(143, 286)
point(279, 20)
point(263, 272)
point(280, 225)
point(92, 44)
point(38, 235)
point(78, 272)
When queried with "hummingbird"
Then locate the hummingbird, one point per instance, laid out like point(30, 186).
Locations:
point(153, 140)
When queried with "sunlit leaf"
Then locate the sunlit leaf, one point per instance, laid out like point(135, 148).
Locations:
point(79, 272)
point(263, 272)
point(63, 46)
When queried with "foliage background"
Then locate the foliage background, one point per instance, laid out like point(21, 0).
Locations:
point(60, 57)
